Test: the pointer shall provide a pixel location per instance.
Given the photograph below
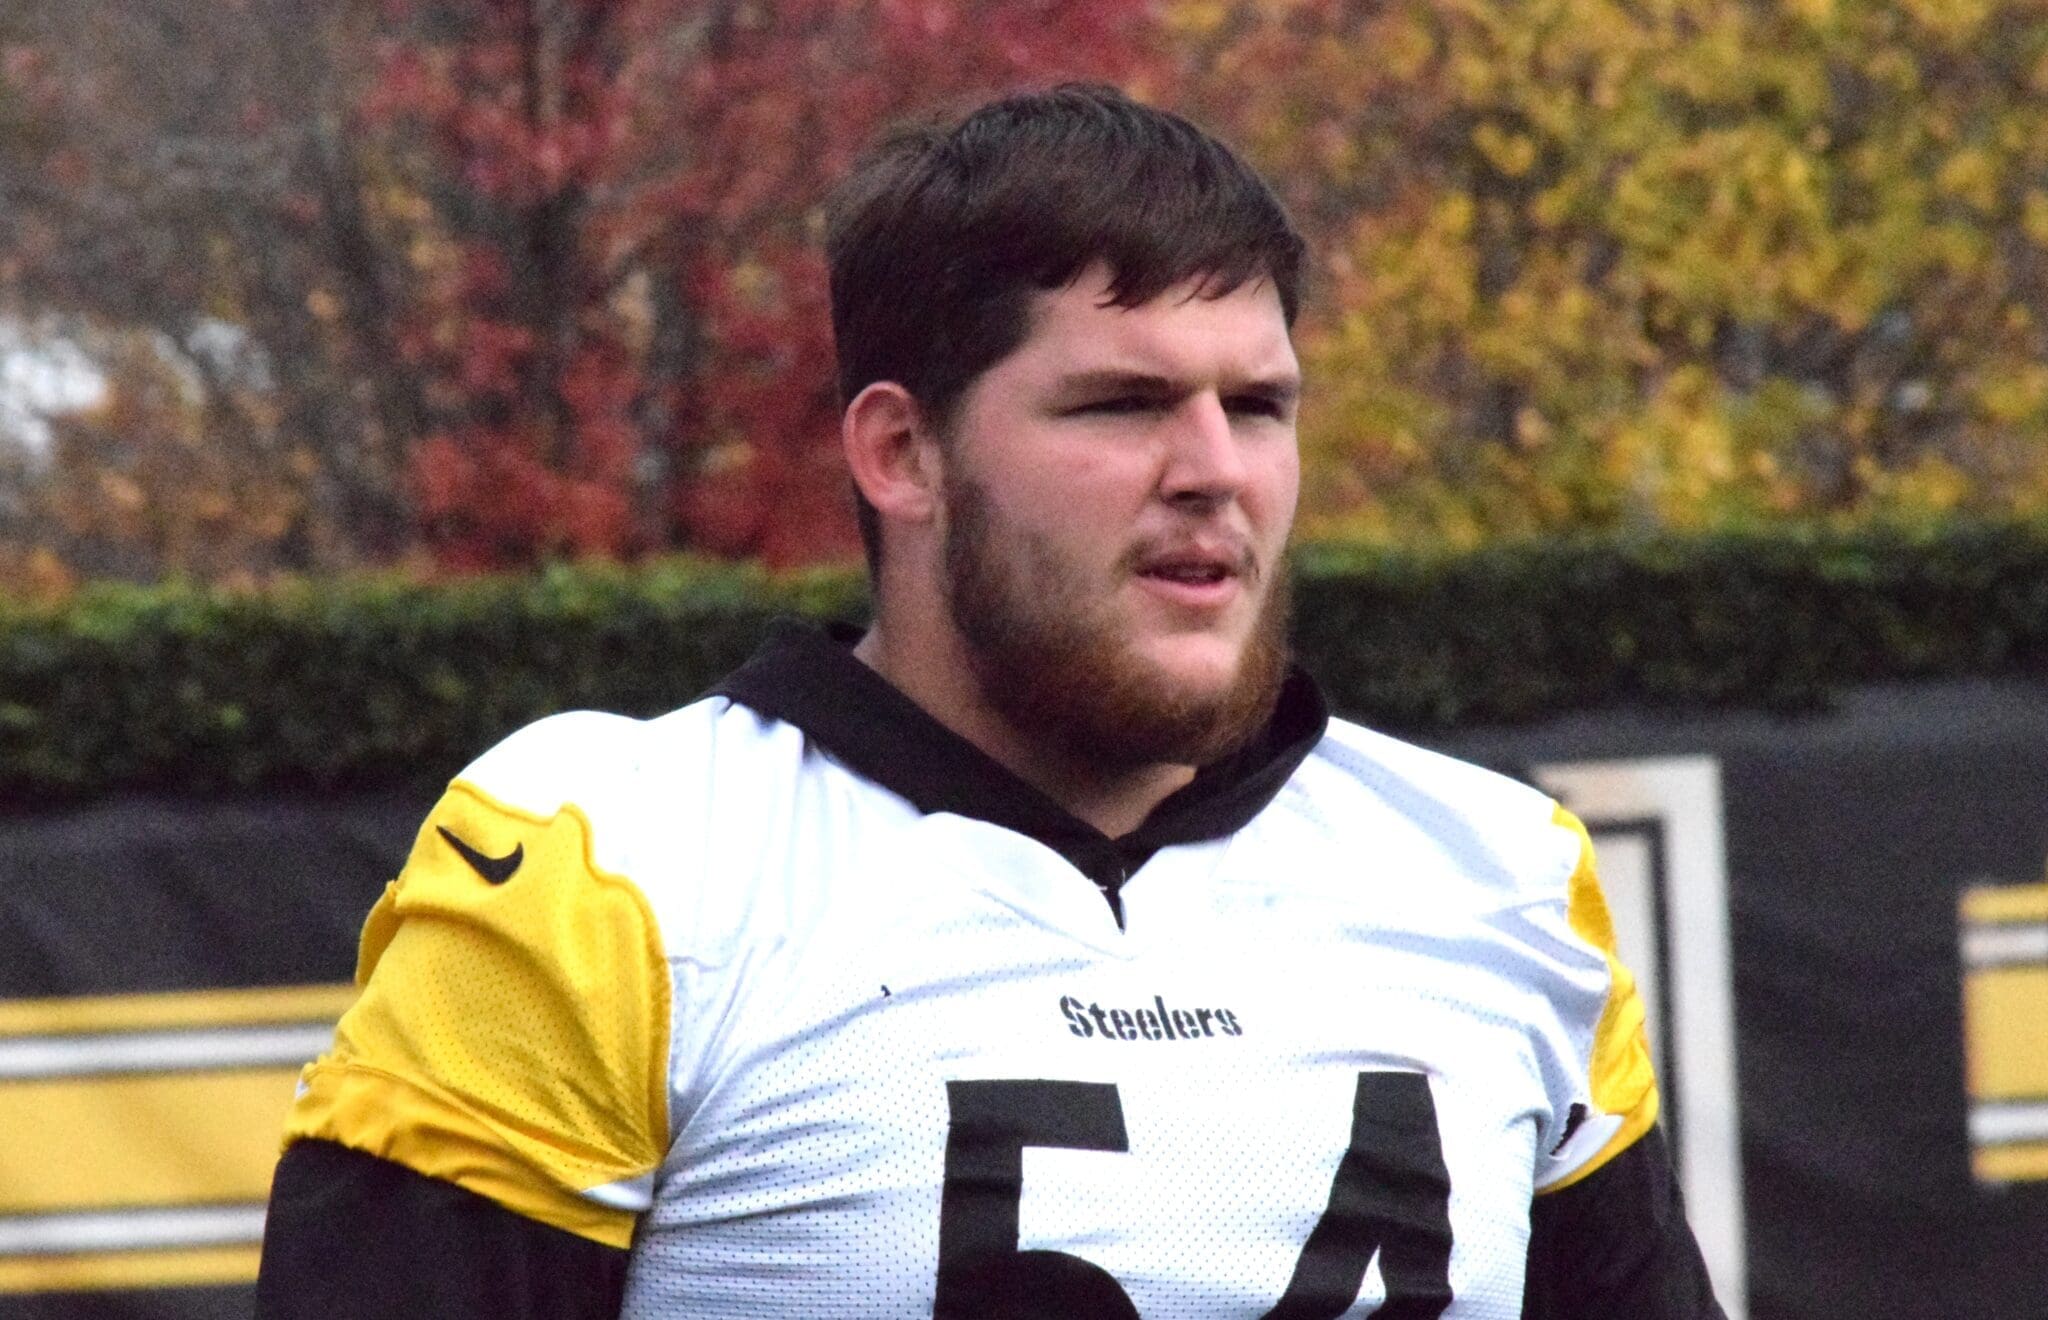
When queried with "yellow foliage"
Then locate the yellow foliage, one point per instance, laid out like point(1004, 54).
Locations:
point(2034, 216)
point(159, 478)
point(2016, 397)
point(1973, 176)
point(1951, 20)
point(1513, 154)
point(1669, 262)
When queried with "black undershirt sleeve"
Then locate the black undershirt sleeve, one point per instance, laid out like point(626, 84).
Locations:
point(352, 1235)
point(1616, 1246)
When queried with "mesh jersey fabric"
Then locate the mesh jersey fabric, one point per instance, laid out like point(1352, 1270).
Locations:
point(812, 1050)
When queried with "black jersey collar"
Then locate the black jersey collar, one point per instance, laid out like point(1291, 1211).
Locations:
point(810, 678)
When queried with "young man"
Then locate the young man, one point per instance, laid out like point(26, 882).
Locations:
point(1045, 951)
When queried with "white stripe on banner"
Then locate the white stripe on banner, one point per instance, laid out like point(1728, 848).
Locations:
point(1998, 946)
point(161, 1051)
point(1992, 1125)
point(131, 1230)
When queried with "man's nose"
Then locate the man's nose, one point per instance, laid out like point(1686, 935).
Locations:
point(1205, 461)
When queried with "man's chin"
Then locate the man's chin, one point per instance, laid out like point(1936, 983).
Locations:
point(1198, 670)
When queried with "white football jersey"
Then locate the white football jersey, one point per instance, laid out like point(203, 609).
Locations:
point(823, 1014)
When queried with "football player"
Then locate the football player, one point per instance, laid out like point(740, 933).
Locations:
point(1045, 949)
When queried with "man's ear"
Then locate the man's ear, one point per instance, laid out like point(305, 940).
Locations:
point(890, 449)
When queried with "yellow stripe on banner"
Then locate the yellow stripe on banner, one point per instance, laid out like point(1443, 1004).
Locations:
point(2025, 1162)
point(2005, 1032)
point(129, 1269)
point(1997, 904)
point(167, 1139)
point(198, 1008)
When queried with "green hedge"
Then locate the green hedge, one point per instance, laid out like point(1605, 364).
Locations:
point(383, 681)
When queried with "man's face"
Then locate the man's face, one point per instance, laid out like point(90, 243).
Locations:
point(1118, 493)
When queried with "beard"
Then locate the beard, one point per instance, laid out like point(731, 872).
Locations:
point(1053, 659)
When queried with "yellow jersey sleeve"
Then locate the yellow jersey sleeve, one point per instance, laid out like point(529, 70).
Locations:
point(512, 1031)
point(1620, 1077)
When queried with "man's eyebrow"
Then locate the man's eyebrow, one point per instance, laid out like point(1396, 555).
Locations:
point(1118, 381)
point(1279, 389)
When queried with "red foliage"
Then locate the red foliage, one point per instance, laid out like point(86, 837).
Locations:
point(630, 345)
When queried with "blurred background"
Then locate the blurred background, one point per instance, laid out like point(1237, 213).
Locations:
point(380, 374)
point(482, 283)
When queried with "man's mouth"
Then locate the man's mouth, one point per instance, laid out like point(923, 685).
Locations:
point(1196, 575)
point(1199, 574)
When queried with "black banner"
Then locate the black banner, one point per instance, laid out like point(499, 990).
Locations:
point(1885, 1050)
point(168, 968)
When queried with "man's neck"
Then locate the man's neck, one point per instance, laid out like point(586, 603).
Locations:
point(934, 672)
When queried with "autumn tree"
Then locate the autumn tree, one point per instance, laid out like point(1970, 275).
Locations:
point(184, 175)
point(526, 278)
point(1597, 264)
point(144, 483)
point(620, 312)
point(541, 277)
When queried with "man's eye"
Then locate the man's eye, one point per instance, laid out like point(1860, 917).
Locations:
point(1256, 405)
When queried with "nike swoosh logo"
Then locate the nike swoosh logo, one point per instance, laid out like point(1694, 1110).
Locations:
point(497, 870)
